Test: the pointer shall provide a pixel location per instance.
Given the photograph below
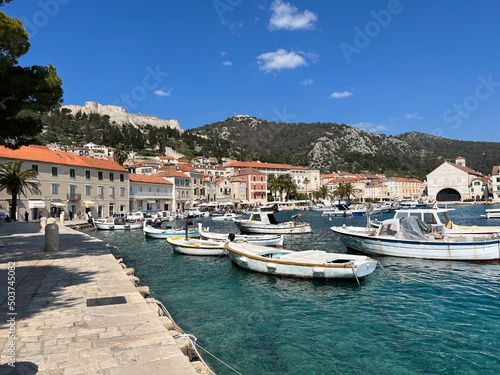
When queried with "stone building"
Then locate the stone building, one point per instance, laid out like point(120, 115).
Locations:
point(454, 182)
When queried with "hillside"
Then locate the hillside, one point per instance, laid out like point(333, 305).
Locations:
point(324, 146)
point(333, 147)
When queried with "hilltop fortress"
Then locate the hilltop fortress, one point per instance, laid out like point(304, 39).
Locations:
point(120, 115)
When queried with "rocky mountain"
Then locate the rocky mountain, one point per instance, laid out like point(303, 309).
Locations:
point(333, 147)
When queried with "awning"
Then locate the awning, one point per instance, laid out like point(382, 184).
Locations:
point(88, 204)
point(57, 203)
point(36, 204)
point(151, 201)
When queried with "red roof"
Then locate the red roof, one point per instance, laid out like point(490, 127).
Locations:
point(42, 154)
point(148, 179)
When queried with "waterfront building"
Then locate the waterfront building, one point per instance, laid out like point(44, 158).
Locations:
point(181, 188)
point(454, 182)
point(150, 193)
point(404, 188)
point(494, 183)
point(255, 185)
point(68, 182)
point(300, 175)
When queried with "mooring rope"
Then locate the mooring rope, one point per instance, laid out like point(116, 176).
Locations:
point(194, 344)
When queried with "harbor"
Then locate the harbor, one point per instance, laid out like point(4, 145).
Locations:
point(422, 317)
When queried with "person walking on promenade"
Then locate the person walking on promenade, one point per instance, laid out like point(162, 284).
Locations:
point(26, 216)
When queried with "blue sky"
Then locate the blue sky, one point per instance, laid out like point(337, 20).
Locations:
point(389, 66)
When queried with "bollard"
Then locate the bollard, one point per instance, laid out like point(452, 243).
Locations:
point(51, 237)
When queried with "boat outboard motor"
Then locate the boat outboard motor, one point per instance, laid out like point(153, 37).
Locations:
point(231, 237)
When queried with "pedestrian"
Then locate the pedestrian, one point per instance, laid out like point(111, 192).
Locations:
point(40, 215)
point(70, 213)
point(26, 215)
point(90, 217)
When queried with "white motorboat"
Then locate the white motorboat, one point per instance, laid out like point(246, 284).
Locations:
point(336, 212)
point(265, 222)
point(492, 213)
point(256, 239)
point(228, 216)
point(196, 246)
point(306, 264)
point(409, 237)
point(439, 219)
point(162, 230)
point(116, 223)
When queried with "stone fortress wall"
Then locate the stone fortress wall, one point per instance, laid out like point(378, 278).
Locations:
point(121, 116)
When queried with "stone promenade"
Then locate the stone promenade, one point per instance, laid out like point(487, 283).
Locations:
point(52, 330)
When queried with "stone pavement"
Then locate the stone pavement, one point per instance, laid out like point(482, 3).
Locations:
point(51, 330)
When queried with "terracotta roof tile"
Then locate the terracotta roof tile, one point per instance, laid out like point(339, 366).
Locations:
point(44, 155)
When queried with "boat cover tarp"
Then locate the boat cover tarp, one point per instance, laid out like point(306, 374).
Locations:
point(414, 229)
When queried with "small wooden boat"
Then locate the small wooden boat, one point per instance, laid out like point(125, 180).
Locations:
point(306, 264)
point(265, 222)
point(196, 246)
point(116, 223)
point(163, 230)
point(256, 239)
point(410, 237)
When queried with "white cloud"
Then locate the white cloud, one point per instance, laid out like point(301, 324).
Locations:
point(280, 59)
point(227, 63)
point(163, 92)
point(287, 16)
point(370, 127)
point(413, 115)
point(307, 82)
point(340, 94)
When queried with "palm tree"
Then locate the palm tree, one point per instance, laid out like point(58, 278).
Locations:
point(323, 192)
point(306, 182)
point(272, 185)
point(17, 182)
point(120, 153)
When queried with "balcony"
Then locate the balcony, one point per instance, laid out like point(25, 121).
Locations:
point(73, 197)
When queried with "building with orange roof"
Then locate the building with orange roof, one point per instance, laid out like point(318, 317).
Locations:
point(151, 193)
point(181, 181)
point(68, 182)
point(256, 184)
point(307, 180)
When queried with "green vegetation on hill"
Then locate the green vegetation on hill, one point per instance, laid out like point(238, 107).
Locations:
point(325, 146)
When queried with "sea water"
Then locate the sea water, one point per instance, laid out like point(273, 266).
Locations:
point(408, 317)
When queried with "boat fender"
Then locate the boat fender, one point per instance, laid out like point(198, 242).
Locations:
point(231, 237)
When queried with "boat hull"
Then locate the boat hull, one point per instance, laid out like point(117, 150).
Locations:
point(303, 264)
point(440, 250)
point(196, 246)
point(164, 233)
point(282, 228)
point(114, 226)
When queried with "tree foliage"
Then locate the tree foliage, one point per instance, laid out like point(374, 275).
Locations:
point(17, 182)
point(25, 92)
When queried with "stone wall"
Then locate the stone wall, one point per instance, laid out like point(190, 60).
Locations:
point(121, 116)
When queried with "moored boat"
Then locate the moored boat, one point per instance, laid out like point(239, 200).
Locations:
point(196, 246)
point(409, 237)
point(265, 222)
point(492, 213)
point(116, 223)
point(305, 264)
point(256, 239)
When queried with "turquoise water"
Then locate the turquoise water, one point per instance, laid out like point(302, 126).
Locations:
point(427, 317)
